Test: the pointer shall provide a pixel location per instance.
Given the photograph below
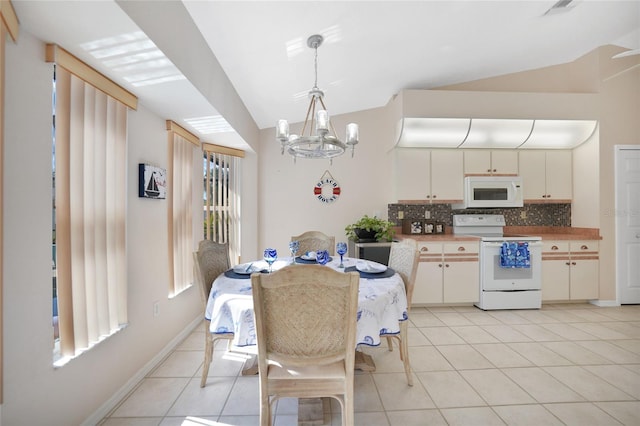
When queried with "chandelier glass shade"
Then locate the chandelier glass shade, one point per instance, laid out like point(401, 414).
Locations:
point(318, 138)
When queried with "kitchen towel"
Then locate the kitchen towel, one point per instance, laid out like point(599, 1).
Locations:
point(515, 254)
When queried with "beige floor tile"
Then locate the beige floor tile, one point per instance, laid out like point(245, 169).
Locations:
point(386, 361)
point(225, 364)
point(581, 414)
point(562, 315)
point(501, 355)
point(632, 367)
point(627, 413)
point(452, 318)
point(428, 358)
point(449, 389)
point(537, 333)
point(611, 352)
point(365, 393)
point(630, 330)
point(397, 395)
point(238, 420)
point(496, 388)
point(370, 419)
point(622, 313)
point(286, 406)
point(536, 316)
point(464, 357)
point(591, 387)
point(425, 319)
point(131, 421)
point(207, 401)
point(505, 333)
point(568, 331)
point(538, 354)
point(618, 376)
point(599, 331)
point(154, 397)
point(576, 353)
point(541, 385)
point(527, 415)
point(244, 397)
point(179, 364)
point(473, 416)
point(589, 315)
point(474, 334)
point(416, 418)
point(481, 318)
point(416, 338)
point(467, 309)
point(189, 421)
point(441, 336)
point(434, 309)
point(509, 317)
point(193, 342)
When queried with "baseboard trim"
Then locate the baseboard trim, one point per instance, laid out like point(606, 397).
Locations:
point(605, 303)
point(111, 403)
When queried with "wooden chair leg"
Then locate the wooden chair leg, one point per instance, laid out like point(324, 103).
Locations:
point(404, 351)
point(208, 355)
point(390, 344)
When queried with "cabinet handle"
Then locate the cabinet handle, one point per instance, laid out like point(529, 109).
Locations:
point(573, 263)
point(446, 265)
point(554, 248)
point(488, 170)
point(567, 263)
point(428, 196)
point(439, 265)
point(461, 248)
point(434, 196)
point(424, 249)
point(584, 248)
point(495, 170)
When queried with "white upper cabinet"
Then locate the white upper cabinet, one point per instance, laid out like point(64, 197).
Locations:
point(546, 175)
point(431, 175)
point(503, 162)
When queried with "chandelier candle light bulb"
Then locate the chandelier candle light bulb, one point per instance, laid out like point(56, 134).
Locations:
point(324, 143)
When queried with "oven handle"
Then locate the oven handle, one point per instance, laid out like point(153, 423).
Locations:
point(499, 243)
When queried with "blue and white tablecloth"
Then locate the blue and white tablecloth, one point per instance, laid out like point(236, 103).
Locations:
point(382, 304)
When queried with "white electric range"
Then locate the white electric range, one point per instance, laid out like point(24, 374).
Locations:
point(504, 282)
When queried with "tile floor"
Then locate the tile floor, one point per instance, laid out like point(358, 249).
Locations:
point(571, 364)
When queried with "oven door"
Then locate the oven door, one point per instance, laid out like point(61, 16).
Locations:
point(493, 277)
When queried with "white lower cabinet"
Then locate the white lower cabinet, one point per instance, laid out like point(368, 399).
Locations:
point(570, 270)
point(448, 272)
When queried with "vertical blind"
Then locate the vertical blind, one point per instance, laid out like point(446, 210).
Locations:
point(222, 199)
point(91, 138)
point(180, 212)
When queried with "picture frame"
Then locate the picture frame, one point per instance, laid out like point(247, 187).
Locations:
point(439, 228)
point(152, 181)
point(429, 227)
point(412, 226)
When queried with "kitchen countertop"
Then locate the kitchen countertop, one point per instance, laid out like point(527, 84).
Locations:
point(545, 232)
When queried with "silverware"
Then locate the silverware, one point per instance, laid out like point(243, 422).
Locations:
point(249, 267)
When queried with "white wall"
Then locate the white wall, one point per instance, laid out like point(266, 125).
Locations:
point(285, 190)
point(34, 392)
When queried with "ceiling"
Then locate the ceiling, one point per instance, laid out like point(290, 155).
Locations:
point(372, 49)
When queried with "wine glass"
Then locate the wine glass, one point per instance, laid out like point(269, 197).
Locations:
point(294, 246)
point(341, 249)
point(322, 257)
point(270, 256)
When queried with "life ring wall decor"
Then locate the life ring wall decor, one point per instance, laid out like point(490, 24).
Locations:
point(327, 190)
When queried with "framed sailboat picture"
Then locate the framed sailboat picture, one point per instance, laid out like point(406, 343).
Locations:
point(152, 181)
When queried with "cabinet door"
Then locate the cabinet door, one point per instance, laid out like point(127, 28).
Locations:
point(428, 287)
point(504, 162)
point(412, 174)
point(558, 175)
point(531, 164)
point(584, 279)
point(446, 175)
point(555, 279)
point(460, 282)
point(477, 162)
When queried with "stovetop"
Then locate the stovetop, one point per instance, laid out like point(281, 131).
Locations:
point(487, 227)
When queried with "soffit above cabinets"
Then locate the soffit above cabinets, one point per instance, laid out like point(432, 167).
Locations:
point(493, 133)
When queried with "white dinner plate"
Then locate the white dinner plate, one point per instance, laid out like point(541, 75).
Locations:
point(245, 269)
point(370, 267)
point(309, 256)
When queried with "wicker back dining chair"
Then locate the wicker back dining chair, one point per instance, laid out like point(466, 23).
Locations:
point(306, 333)
point(211, 260)
point(403, 258)
point(314, 241)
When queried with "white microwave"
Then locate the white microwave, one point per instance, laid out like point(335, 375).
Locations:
point(491, 192)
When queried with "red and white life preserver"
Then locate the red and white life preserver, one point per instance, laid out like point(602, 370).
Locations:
point(327, 190)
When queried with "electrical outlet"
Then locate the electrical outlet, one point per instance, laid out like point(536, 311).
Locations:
point(400, 214)
point(523, 214)
point(156, 309)
point(427, 214)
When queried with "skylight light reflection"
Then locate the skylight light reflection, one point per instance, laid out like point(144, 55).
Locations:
point(210, 124)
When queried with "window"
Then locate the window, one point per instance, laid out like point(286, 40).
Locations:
point(90, 137)
point(180, 201)
point(221, 174)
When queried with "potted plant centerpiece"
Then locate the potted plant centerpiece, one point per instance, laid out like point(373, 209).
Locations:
point(370, 229)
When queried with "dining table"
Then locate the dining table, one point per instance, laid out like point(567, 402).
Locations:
point(382, 303)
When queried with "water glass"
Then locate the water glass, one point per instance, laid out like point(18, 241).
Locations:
point(294, 246)
point(270, 256)
point(322, 257)
point(341, 249)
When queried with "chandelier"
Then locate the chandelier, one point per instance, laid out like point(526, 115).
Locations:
point(324, 143)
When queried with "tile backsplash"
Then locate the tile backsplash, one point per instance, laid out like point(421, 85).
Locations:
point(529, 215)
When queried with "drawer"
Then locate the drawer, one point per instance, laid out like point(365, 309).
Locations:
point(584, 246)
point(430, 252)
point(550, 247)
point(461, 248)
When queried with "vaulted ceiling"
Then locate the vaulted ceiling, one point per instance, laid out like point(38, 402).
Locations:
point(372, 49)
